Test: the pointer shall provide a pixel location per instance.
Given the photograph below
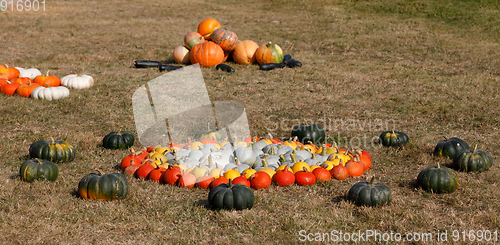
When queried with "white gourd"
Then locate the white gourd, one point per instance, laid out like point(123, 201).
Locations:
point(29, 72)
point(50, 93)
point(75, 81)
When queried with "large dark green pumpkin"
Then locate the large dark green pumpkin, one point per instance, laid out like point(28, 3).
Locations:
point(472, 161)
point(229, 196)
point(306, 132)
point(393, 138)
point(102, 186)
point(366, 193)
point(118, 140)
point(38, 169)
point(438, 179)
point(450, 147)
point(54, 151)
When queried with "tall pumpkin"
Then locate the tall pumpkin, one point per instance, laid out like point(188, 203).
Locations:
point(244, 52)
point(269, 53)
point(207, 54)
point(226, 39)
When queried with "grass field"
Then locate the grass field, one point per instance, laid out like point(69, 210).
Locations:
point(430, 68)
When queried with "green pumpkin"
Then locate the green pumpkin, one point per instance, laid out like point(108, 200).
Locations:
point(229, 196)
point(366, 193)
point(219, 135)
point(38, 169)
point(118, 140)
point(306, 132)
point(100, 186)
point(450, 147)
point(438, 179)
point(54, 151)
point(472, 161)
point(393, 138)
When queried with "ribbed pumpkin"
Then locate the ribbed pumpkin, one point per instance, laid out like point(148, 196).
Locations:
point(207, 27)
point(393, 138)
point(229, 196)
point(47, 80)
point(118, 140)
point(450, 147)
point(54, 151)
point(26, 90)
point(269, 53)
point(102, 186)
point(207, 54)
point(11, 72)
point(192, 38)
point(366, 193)
point(472, 160)
point(438, 179)
point(226, 39)
point(38, 169)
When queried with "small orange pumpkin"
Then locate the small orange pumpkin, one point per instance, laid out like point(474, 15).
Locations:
point(9, 88)
point(244, 52)
point(25, 90)
point(226, 39)
point(11, 72)
point(207, 27)
point(47, 81)
point(207, 54)
point(269, 53)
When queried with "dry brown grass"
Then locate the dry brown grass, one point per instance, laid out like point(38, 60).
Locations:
point(430, 67)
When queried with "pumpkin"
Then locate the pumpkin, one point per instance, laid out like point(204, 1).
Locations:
point(77, 81)
point(245, 155)
point(100, 186)
point(284, 177)
point(321, 174)
point(354, 169)
point(21, 80)
point(47, 80)
point(186, 180)
point(305, 177)
point(204, 181)
point(11, 72)
point(226, 39)
point(181, 55)
point(171, 175)
point(207, 27)
point(29, 72)
point(231, 174)
point(229, 196)
point(269, 53)
point(206, 54)
point(339, 172)
point(54, 151)
point(192, 38)
point(38, 169)
point(438, 179)
point(366, 193)
point(133, 157)
point(306, 132)
point(9, 88)
point(49, 93)
point(26, 90)
point(146, 167)
point(260, 180)
point(155, 174)
point(118, 140)
point(472, 160)
point(450, 147)
point(393, 138)
point(219, 181)
point(215, 135)
point(241, 180)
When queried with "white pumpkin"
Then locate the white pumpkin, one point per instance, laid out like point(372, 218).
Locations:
point(29, 72)
point(50, 93)
point(75, 81)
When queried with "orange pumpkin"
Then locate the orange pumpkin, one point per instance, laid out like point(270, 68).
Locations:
point(4, 76)
point(244, 52)
point(192, 38)
point(269, 53)
point(181, 55)
point(25, 90)
point(226, 39)
point(11, 72)
point(207, 27)
point(354, 169)
point(51, 81)
point(207, 54)
point(21, 80)
point(9, 88)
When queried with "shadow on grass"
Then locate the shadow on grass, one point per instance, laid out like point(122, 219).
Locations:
point(203, 203)
point(339, 199)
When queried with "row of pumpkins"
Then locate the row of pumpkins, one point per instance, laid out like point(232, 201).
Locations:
point(32, 83)
point(212, 45)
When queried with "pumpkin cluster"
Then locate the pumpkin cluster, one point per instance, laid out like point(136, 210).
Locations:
point(32, 83)
point(254, 162)
point(211, 45)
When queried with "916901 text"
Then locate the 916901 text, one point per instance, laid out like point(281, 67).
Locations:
point(22, 5)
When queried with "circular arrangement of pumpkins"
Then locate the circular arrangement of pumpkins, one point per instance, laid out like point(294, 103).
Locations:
point(32, 83)
point(212, 45)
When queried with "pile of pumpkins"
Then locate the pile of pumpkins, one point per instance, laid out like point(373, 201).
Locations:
point(254, 162)
point(212, 45)
point(32, 83)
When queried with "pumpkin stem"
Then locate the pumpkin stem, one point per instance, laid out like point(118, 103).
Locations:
point(264, 163)
point(282, 158)
point(38, 161)
point(475, 148)
point(47, 73)
point(293, 156)
point(100, 172)
point(371, 181)
point(210, 161)
point(236, 161)
point(445, 138)
point(438, 165)
point(230, 183)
